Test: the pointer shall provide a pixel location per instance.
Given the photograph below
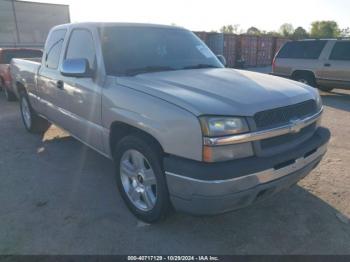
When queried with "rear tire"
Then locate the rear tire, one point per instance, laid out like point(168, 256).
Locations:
point(10, 96)
point(305, 78)
point(140, 178)
point(31, 120)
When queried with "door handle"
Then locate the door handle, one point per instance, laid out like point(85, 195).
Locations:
point(60, 84)
point(327, 65)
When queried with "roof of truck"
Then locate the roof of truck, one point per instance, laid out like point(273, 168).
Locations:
point(107, 24)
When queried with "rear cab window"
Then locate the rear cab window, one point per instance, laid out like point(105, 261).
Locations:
point(302, 49)
point(341, 51)
point(53, 48)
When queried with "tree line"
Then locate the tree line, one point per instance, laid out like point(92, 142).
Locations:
point(319, 29)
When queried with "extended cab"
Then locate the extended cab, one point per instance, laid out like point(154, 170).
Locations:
point(183, 130)
point(6, 54)
point(320, 63)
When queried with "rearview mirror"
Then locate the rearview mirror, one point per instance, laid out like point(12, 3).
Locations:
point(222, 59)
point(76, 68)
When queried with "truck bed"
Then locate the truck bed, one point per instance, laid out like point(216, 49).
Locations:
point(23, 72)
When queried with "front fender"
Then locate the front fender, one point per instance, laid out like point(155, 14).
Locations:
point(177, 130)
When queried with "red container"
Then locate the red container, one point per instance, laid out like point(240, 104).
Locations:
point(230, 49)
point(202, 35)
point(248, 50)
point(223, 44)
point(253, 50)
point(265, 50)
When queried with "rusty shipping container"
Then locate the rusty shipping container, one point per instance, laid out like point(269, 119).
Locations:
point(265, 50)
point(202, 35)
point(248, 49)
point(230, 49)
point(224, 44)
point(215, 42)
point(253, 50)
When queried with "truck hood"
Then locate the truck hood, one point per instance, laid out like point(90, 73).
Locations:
point(220, 91)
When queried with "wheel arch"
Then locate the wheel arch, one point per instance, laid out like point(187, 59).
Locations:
point(303, 72)
point(20, 88)
point(119, 130)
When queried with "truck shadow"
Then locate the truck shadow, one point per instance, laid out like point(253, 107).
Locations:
point(292, 222)
point(339, 99)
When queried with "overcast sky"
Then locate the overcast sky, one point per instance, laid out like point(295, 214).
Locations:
point(211, 15)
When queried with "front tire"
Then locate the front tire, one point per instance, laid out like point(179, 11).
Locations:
point(140, 178)
point(31, 120)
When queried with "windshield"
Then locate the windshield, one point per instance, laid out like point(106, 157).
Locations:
point(134, 50)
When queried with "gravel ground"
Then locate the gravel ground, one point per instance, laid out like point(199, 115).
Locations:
point(59, 197)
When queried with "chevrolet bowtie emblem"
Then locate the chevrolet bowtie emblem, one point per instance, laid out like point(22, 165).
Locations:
point(295, 125)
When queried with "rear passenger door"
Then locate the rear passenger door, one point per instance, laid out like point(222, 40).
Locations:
point(48, 76)
point(336, 69)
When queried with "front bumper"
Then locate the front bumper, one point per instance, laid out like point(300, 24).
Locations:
point(202, 188)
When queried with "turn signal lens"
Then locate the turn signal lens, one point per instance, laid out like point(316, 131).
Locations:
point(227, 152)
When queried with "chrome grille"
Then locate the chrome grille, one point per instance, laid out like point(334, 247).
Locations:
point(283, 115)
point(288, 138)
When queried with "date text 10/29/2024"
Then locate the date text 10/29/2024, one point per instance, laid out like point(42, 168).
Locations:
point(173, 258)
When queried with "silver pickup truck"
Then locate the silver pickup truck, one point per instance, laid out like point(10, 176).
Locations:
point(183, 131)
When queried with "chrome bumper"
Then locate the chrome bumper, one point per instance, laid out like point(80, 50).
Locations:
point(217, 196)
point(234, 185)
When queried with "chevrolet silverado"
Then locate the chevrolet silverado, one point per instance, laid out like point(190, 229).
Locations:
point(183, 130)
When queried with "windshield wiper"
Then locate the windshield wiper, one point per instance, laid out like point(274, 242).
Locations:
point(147, 69)
point(199, 66)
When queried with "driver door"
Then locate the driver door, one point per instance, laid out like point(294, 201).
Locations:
point(80, 98)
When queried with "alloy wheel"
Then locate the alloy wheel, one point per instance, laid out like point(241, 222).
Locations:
point(138, 180)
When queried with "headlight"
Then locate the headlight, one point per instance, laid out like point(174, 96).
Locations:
point(319, 106)
point(223, 126)
point(318, 101)
point(214, 126)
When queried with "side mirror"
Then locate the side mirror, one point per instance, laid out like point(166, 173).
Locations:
point(76, 68)
point(222, 59)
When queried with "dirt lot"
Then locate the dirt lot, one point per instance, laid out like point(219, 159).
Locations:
point(59, 197)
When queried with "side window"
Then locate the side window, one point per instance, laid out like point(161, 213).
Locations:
point(341, 51)
point(302, 49)
point(53, 48)
point(313, 49)
point(285, 51)
point(81, 45)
